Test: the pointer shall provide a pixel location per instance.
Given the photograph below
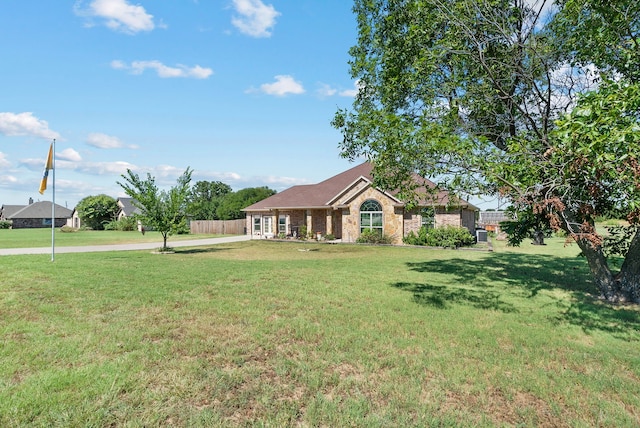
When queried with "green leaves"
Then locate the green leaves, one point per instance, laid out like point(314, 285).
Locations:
point(164, 211)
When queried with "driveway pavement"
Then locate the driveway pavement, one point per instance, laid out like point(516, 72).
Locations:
point(123, 247)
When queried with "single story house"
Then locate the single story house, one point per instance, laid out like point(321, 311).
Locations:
point(34, 215)
point(127, 209)
point(74, 221)
point(490, 220)
point(347, 204)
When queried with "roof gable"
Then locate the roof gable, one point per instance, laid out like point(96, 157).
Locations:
point(330, 191)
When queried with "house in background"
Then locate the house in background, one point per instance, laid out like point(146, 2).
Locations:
point(34, 215)
point(74, 221)
point(347, 204)
point(127, 209)
point(490, 220)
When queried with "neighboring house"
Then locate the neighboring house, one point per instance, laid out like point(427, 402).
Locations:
point(74, 220)
point(34, 215)
point(127, 209)
point(347, 204)
point(490, 220)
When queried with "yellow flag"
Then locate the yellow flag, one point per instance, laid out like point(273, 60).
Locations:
point(47, 167)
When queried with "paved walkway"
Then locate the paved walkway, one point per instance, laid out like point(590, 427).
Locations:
point(124, 247)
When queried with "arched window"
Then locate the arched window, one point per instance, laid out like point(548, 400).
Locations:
point(371, 216)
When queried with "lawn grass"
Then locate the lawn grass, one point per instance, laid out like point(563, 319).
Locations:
point(34, 238)
point(265, 333)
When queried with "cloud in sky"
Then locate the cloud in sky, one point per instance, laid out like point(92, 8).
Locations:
point(4, 163)
point(119, 15)
point(325, 91)
point(164, 71)
point(69, 155)
point(283, 85)
point(16, 124)
point(104, 141)
point(254, 18)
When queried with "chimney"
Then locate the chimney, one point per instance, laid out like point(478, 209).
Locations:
point(30, 201)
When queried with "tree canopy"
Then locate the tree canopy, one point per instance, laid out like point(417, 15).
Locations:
point(205, 197)
point(231, 206)
point(497, 97)
point(96, 211)
point(164, 211)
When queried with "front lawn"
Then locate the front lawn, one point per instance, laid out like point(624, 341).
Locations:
point(278, 334)
point(35, 238)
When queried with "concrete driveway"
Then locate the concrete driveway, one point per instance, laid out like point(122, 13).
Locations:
point(123, 247)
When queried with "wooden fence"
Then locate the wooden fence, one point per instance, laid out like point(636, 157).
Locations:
point(218, 227)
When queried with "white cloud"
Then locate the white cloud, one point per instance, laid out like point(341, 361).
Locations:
point(119, 15)
point(352, 92)
point(69, 155)
point(104, 141)
point(254, 17)
point(329, 91)
point(104, 168)
point(8, 179)
point(12, 124)
point(4, 163)
point(283, 85)
point(164, 71)
point(326, 91)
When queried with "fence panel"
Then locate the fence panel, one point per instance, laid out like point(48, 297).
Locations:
point(218, 227)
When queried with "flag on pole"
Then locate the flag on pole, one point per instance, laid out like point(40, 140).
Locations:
point(47, 167)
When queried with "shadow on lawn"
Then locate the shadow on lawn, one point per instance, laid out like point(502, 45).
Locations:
point(200, 250)
point(484, 283)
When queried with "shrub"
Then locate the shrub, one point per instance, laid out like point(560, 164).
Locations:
point(68, 229)
point(125, 224)
point(447, 236)
point(371, 237)
point(5, 224)
point(329, 237)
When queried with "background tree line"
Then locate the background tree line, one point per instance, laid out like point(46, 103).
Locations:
point(205, 200)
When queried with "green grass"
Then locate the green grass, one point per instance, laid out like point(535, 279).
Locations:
point(300, 334)
point(34, 238)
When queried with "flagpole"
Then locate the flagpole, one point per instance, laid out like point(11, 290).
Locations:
point(53, 206)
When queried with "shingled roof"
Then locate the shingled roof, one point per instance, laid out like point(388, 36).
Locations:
point(320, 195)
point(40, 210)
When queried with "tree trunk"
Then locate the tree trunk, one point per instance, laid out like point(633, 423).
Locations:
point(538, 237)
point(600, 271)
point(164, 237)
point(629, 277)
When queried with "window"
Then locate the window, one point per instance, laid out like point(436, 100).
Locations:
point(282, 224)
point(268, 224)
point(256, 225)
point(427, 218)
point(371, 216)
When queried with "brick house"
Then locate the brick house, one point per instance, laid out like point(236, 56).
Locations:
point(34, 215)
point(347, 204)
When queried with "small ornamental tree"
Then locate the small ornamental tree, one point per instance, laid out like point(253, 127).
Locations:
point(164, 211)
point(96, 211)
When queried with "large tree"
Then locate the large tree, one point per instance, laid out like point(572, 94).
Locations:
point(163, 210)
point(499, 97)
point(231, 206)
point(205, 197)
point(96, 211)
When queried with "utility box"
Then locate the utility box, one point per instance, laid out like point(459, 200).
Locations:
point(481, 235)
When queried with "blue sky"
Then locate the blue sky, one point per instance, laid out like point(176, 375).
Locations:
point(241, 91)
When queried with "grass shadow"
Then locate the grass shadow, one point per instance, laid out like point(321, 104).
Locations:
point(439, 296)
point(200, 250)
point(484, 282)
